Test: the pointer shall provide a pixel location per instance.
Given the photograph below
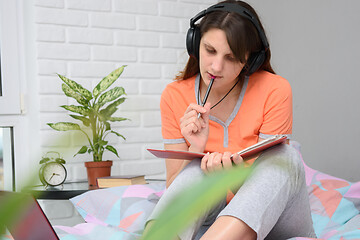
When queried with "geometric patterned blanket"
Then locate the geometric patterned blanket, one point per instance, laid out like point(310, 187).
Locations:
point(121, 212)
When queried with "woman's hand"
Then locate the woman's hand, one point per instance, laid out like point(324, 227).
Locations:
point(212, 162)
point(196, 130)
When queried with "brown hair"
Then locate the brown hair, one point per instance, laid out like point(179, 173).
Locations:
point(241, 34)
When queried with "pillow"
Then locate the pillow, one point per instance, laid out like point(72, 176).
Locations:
point(125, 207)
point(335, 205)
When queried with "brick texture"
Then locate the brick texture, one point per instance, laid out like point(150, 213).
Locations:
point(85, 40)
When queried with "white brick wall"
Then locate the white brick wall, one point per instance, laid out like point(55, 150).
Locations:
point(85, 40)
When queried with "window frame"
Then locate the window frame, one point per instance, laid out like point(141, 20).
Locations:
point(8, 158)
point(10, 101)
point(14, 25)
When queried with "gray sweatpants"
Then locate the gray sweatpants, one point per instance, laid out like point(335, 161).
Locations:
point(273, 201)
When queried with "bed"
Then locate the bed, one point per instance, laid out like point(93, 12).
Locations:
point(121, 212)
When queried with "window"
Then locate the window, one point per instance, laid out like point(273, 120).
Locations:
point(9, 58)
point(0, 76)
point(11, 66)
point(6, 159)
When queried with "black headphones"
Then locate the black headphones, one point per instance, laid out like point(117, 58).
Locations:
point(193, 35)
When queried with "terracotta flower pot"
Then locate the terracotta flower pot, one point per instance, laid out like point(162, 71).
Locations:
point(96, 170)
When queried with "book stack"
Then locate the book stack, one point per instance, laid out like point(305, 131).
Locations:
point(115, 181)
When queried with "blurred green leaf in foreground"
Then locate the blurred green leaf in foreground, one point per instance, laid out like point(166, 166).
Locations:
point(193, 202)
point(13, 206)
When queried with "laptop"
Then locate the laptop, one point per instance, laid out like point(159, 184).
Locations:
point(30, 222)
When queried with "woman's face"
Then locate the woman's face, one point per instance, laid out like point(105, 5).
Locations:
point(217, 60)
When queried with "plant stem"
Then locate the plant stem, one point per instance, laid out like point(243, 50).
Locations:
point(91, 145)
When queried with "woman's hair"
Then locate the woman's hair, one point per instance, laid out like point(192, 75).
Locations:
point(241, 34)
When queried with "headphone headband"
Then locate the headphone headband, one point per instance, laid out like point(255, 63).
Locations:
point(231, 7)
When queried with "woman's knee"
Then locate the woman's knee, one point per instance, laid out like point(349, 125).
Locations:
point(283, 158)
point(283, 154)
point(189, 175)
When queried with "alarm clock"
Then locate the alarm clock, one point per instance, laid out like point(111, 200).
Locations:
point(52, 172)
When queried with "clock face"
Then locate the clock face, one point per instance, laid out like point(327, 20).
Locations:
point(54, 173)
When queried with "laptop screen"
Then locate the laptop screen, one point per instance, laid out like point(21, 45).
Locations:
point(31, 222)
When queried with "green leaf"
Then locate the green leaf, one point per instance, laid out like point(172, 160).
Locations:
point(103, 118)
point(44, 160)
point(60, 160)
point(111, 109)
point(102, 143)
point(110, 95)
point(190, 204)
point(71, 93)
point(118, 102)
point(64, 126)
point(13, 207)
point(118, 134)
point(82, 150)
point(77, 87)
point(112, 149)
point(107, 81)
point(84, 120)
point(117, 119)
point(77, 109)
point(107, 125)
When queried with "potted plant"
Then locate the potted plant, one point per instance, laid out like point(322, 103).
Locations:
point(95, 112)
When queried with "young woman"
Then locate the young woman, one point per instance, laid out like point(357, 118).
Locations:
point(247, 103)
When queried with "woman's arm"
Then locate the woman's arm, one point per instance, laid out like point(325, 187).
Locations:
point(217, 161)
point(195, 131)
point(174, 166)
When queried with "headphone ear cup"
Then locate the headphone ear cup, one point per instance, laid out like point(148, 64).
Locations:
point(255, 62)
point(193, 41)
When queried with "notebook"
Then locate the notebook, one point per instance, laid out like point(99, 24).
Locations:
point(246, 153)
point(31, 223)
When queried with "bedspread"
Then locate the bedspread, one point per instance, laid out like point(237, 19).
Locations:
point(121, 212)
